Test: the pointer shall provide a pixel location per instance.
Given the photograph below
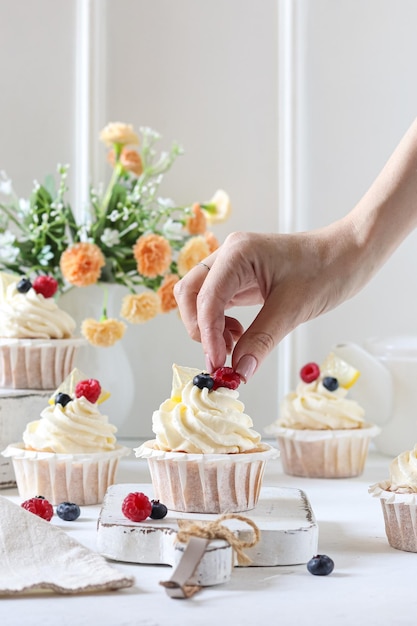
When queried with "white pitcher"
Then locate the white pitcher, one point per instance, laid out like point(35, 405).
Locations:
point(386, 388)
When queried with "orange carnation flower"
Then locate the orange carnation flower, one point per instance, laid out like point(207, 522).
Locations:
point(195, 250)
point(130, 160)
point(153, 255)
point(81, 264)
point(197, 223)
point(166, 293)
point(140, 307)
point(211, 240)
point(103, 333)
point(118, 132)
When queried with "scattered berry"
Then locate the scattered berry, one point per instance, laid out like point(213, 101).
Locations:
point(62, 398)
point(45, 285)
point(23, 285)
point(39, 506)
point(226, 377)
point(309, 372)
point(159, 510)
point(136, 506)
point(330, 383)
point(320, 565)
point(90, 389)
point(68, 511)
point(203, 380)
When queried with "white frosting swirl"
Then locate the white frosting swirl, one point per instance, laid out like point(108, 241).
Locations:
point(76, 428)
point(403, 471)
point(312, 406)
point(32, 316)
point(200, 421)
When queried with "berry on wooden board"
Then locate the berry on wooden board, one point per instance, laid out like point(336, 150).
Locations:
point(136, 506)
point(159, 510)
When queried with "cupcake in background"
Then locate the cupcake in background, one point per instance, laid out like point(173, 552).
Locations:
point(206, 457)
point(320, 432)
point(71, 453)
point(37, 346)
point(398, 497)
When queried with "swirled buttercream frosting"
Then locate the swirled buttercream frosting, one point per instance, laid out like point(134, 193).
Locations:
point(78, 427)
point(32, 316)
point(202, 421)
point(403, 472)
point(313, 406)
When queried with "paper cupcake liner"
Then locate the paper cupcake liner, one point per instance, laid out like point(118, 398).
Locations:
point(16, 407)
point(400, 516)
point(207, 483)
point(79, 478)
point(37, 363)
point(325, 453)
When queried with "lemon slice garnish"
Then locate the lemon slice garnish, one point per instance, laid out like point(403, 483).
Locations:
point(6, 279)
point(180, 377)
point(70, 382)
point(346, 374)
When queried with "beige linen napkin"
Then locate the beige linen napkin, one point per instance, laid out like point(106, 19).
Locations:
point(35, 556)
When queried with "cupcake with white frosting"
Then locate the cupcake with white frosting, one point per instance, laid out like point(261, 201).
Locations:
point(71, 453)
point(322, 433)
point(37, 343)
point(206, 457)
point(398, 497)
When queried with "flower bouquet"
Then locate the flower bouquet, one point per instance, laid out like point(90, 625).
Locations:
point(129, 236)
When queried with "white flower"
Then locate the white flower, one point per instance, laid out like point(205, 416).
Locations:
point(166, 203)
point(45, 255)
point(173, 229)
point(8, 252)
point(5, 184)
point(24, 206)
point(110, 237)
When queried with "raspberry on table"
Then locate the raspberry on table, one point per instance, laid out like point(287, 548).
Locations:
point(136, 506)
point(39, 506)
point(226, 377)
point(45, 285)
point(90, 389)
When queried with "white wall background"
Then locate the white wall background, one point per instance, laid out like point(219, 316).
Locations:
point(204, 74)
point(356, 96)
point(208, 75)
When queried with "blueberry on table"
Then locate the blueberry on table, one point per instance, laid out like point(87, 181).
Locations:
point(68, 511)
point(320, 565)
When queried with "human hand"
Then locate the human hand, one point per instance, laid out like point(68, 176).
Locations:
point(292, 277)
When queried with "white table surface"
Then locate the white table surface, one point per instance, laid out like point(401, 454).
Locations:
point(371, 584)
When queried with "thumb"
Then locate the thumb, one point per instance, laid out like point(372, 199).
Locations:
point(259, 339)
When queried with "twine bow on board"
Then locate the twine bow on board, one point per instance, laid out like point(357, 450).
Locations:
point(197, 536)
